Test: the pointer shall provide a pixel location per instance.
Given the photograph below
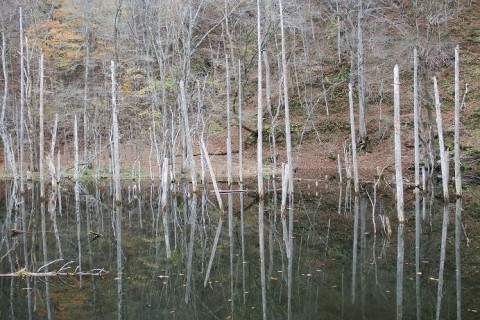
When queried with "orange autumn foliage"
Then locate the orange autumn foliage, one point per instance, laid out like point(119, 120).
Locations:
point(60, 39)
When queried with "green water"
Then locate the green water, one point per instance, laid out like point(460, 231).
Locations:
point(334, 272)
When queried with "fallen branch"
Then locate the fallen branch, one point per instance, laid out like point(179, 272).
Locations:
point(23, 273)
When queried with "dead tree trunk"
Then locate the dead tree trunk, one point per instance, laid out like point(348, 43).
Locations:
point(116, 138)
point(259, 106)
point(398, 144)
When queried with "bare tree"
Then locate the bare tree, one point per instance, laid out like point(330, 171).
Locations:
point(259, 105)
point(115, 138)
point(361, 77)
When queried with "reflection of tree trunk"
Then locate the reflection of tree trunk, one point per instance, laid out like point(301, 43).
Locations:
point(232, 250)
point(355, 248)
point(443, 245)
point(242, 236)
point(45, 257)
point(418, 233)
point(193, 225)
point(400, 263)
point(118, 237)
point(261, 245)
point(458, 256)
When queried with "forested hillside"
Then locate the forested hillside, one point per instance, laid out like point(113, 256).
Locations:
point(211, 47)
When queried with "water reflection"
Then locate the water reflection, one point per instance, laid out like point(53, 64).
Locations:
point(169, 255)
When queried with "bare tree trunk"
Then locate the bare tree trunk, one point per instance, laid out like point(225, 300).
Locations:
point(273, 117)
point(259, 106)
point(6, 139)
point(76, 172)
point(458, 173)
point(398, 144)
point(30, 127)
point(354, 141)
point(42, 142)
point(441, 145)
point(288, 138)
point(116, 138)
point(240, 137)
point(361, 76)
point(52, 204)
point(22, 104)
point(229, 127)
point(212, 174)
point(339, 39)
point(416, 119)
point(85, 84)
point(5, 80)
point(188, 139)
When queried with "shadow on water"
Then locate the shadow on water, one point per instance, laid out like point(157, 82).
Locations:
point(165, 253)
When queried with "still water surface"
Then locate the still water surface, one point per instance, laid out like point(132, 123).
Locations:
point(183, 258)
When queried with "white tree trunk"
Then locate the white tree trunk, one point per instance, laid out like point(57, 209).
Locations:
point(416, 119)
point(229, 129)
point(75, 150)
point(361, 77)
point(6, 139)
point(259, 106)
point(398, 145)
point(354, 140)
point(116, 138)
point(22, 104)
point(288, 138)
point(441, 145)
point(458, 173)
point(240, 137)
point(42, 142)
point(188, 139)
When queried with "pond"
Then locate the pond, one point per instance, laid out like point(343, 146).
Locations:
point(330, 255)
